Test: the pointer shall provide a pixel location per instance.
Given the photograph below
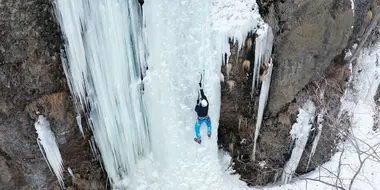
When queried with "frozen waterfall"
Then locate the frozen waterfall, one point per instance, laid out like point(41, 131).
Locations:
point(103, 59)
point(104, 49)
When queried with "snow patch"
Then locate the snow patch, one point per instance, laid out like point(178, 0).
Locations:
point(49, 148)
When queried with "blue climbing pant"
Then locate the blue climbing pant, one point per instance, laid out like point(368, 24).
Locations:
point(198, 125)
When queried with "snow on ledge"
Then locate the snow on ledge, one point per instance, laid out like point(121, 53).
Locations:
point(49, 148)
point(234, 19)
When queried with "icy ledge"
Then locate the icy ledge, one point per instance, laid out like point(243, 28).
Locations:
point(227, 24)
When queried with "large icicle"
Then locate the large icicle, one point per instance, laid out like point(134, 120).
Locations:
point(49, 148)
point(299, 133)
point(316, 139)
point(263, 52)
point(262, 103)
point(104, 48)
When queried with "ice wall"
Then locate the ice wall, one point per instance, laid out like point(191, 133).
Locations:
point(104, 59)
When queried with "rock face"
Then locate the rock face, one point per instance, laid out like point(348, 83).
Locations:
point(311, 34)
point(31, 81)
point(310, 39)
point(237, 106)
point(364, 11)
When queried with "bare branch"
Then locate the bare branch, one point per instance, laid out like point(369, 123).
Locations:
point(317, 180)
point(357, 172)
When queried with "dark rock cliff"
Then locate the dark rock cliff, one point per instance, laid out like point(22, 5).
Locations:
point(311, 34)
point(32, 80)
point(310, 42)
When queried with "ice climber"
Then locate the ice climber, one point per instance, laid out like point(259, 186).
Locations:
point(202, 111)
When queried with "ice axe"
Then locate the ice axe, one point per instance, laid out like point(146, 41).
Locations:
point(201, 81)
point(200, 85)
